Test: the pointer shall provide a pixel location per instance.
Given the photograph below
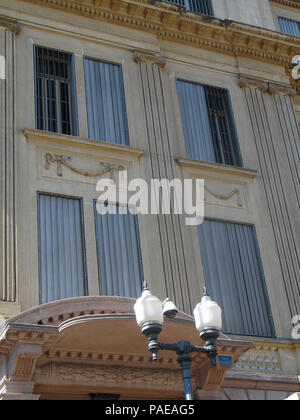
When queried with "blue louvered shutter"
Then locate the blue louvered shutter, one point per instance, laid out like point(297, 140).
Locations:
point(62, 270)
point(289, 27)
point(234, 277)
point(195, 121)
point(119, 256)
point(106, 109)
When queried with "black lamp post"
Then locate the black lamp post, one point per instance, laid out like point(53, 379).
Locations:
point(150, 312)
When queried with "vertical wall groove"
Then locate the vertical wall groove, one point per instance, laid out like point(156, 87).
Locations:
point(7, 204)
point(162, 167)
point(269, 141)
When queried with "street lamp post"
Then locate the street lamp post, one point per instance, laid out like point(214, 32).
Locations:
point(150, 312)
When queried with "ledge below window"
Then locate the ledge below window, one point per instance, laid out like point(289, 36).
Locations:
point(45, 136)
point(217, 168)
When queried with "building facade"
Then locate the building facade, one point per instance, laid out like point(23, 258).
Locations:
point(183, 89)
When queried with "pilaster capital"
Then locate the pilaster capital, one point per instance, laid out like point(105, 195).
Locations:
point(282, 89)
point(149, 57)
point(266, 86)
point(10, 24)
point(254, 83)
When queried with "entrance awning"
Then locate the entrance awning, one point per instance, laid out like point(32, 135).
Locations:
point(77, 347)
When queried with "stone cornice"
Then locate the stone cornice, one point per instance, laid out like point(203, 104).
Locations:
point(294, 4)
point(173, 23)
point(45, 136)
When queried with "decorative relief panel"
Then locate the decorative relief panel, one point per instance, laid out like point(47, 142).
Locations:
point(61, 160)
point(225, 186)
point(77, 168)
point(99, 375)
point(228, 196)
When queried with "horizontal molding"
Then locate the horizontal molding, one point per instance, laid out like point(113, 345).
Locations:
point(217, 168)
point(266, 86)
point(45, 136)
point(294, 4)
point(171, 22)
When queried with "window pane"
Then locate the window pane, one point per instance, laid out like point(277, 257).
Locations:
point(61, 248)
point(195, 121)
point(234, 277)
point(55, 106)
point(222, 125)
point(106, 107)
point(119, 256)
point(208, 125)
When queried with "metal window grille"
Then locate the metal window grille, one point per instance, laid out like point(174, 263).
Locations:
point(208, 123)
point(222, 126)
point(203, 7)
point(55, 98)
point(289, 27)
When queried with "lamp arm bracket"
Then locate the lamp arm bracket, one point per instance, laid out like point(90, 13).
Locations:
point(176, 347)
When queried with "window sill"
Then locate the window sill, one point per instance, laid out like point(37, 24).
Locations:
point(217, 168)
point(45, 136)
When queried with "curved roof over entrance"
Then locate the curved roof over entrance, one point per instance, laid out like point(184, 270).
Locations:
point(98, 334)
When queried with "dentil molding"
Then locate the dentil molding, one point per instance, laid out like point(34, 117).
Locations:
point(170, 22)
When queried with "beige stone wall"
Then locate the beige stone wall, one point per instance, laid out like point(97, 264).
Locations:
point(258, 14)
point(172, 270)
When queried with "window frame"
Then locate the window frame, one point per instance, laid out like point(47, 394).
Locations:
point(83, 238)
point(233, 137)
point(262, 272)
point(139, 248)
point(42, 100)
point(282, 18)
point(122, 93)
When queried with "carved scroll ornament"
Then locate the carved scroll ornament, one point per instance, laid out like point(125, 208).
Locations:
point(61, 161)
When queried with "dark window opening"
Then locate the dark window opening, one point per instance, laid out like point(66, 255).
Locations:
point(55, 98)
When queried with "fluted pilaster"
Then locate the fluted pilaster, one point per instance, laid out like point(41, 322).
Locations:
point(7, 164)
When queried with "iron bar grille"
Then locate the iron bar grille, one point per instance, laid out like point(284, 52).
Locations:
point(222, 126)
point(55, 98)
point(204, 7)
point(208, 123)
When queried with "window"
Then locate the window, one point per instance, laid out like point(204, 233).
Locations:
point(55, 91)
point(208, 124)
point(289, 27)
point(107, 119)
point(234, 277)
point(203, 7)
point(119, 256)
point(62, 268)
